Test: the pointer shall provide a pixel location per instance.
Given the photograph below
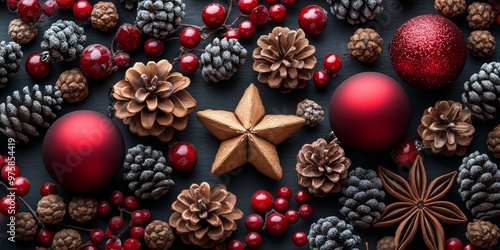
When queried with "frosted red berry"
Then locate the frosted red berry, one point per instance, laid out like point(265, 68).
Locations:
point(154, 47)
point(305, 211)
point(65, 4)
point(116, 222)
point(50, 8)
point(321, 78)
point(254, 222)
point(131, 203)
point(299, 239)
point(453, 244)
point(214, 15)
point(96, 61)
point(103, 208)
point(302, 196)
point(117, 198)
point(128, 37)
point(182, 156)
point(8, 206)
point(29, 11)
point(137, 232)
point(259, 15)
point(45, 237)
point(290, 2)
point(404, 154)
point(9, 172)
point(253, 240)
point(277, 13)
point(246, 6)
point(284, 192)
point(280, 205)
point(37, 66)
point(20, 185)
point(292, 216)
point(97, 236)
point(469, 247)
point(48, 188)
point(231, 34)
point(190, 37)
point(235, 245)
point(246, 29)
point(122, 59)
point(332, 63)
point(82, 9)
point(313, 20)
point(12, 4)
point(276, 224)
point(262, 201)
point(132, 244)
point(188, 63)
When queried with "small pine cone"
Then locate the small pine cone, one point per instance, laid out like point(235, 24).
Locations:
point(355, 11)
point(481, 43)
point(479, 185)
point(104, 16)
point(386, 243)
point(10, 61)
point(66, 239)
point(22, 32)
point(366, 45)
point(450, 8)
point(158, 235)
point(82, 208)
point(483, 234)
point(22, 112)
point(332, 233)
point(160, 18)
point(51, 209)
point(481, 15)
point(146, 172)
point(311, 111)
point(26, 227)
point(73, 85)
point(221, 59)
point(64, 40)
point(482, 90)
point(493, 142)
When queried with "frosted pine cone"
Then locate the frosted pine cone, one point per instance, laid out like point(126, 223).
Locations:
point(332, 233)
point(482, 92)
point(158, 235)
point(66, 239)
point(311, 111)
point(356, 11)
point(160, 18)
point(51, 209)
point(22, 32)
point(10, 60)
point(221, 59)
point(64, 40)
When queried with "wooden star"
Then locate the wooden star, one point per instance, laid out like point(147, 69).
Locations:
point(249, 135)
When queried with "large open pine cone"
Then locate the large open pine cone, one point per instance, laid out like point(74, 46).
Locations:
point(205, 216)
point(332, 233)
point(482, 92)
point(22, 32)
point(493, 142)
point(480, 15)
point(51, 209)
point(446, 128)
point(483, 234)
point(66, 239)
point(160, 18)
point(82, 208)
point(64, 40)
point(73, 85)
point(221, 59)
point(104, 16)
point(153, 100)
point(10, 61)
point(158, 235)
point(450, 8)
point(355, 11)
point(26, 227)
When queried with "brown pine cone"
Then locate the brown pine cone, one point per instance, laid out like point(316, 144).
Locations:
point(159, 235)
point(481, 15)
point(366, 45)
point(26, 227)
point(22, 32)
point(386, 243)
point(482, 234)
point(73, 85)
point(83, 208)
point(493, 142)
point(51, 209)
point(311, 111)
point(66, 239)
point(321, 167)
point(481, 43)
point(450, 8)
point(104, 16)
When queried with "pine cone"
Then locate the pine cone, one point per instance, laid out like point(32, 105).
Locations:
point(22, 32)
point(366, 45)
point(146, 172)
point(479, 185)
point(311, 112)
point(153, 100)
point(481, 43)
point(446, 128)
point(332, 233)
point(22, 112)
point(66, 239)
point(205, 216)
point(284, 59)
point(10, 60)
point(73, 85)
point(51, 209)
point(160, 18)
point(321, 167)
point(355, 11)
point(26, 227)
point(221, 59)
point(493, 142)
point(481, 15)
point(64, 40)
point(481, 92)
point(158, 235)
point(386, 243)
point(104, 16)
point(483, 234)
point(363, 198)
point(450, 8)
point(82, 208)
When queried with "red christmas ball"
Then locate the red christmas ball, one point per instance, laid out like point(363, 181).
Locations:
point(428, 52)
point(369, 112)
point(83, 151)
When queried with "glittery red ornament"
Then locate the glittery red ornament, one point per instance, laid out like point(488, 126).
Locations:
point(428, 52)
point(369, 112)
point(83, 151)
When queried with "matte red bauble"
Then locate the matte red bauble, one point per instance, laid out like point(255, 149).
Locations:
point(428, 52)
point(83, 151)
point(369, 112)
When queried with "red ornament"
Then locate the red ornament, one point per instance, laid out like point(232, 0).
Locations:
point(83, 151)
point(369, 112)
point(428, 52)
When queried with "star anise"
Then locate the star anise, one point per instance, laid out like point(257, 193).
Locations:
point(420, 206)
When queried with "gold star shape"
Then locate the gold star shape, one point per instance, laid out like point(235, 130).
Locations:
point(249, 135)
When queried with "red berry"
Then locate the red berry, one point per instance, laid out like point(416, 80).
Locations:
point(91, 247)
point(154, 47)
point(48, 188)
point(137, 232)
point(97, 236)
point(50, 7)
point(82, 9)
point(254, 222)
point(113, 244)
point(276, 224)
point(469, 247)
point(277, 13)
point(404, 154)
point(96, 61)
point(332, 63)
point(116, 222)
point(12, 4)
point(190, 37)
point(218, 247)
point(9, 206)
point(280, 205)
point(147, 214)
point(292, 216)
point(246, 6)
point(122, 59)
point(182, 156)
point(290, 2)
point(321, 78)
point(246, 29)
point(235, 245)
point(65, 4)
point(262, 201)
point(103, 208)
point(131, 203)
point(117, 198)
point(313, 20)
point(271, 2)
point(299, 239)
point(21, 186)
point(231, 34)
point(188, 63)
point(37, 65)
point(45, 237)
point(128, 37)
point(29, 11)
point(132, 244)
point(498, 19)
point(302, 196)
point(108, 232)
point(453, 244)
point(214, 15)
point(284, 192)
point(305, 211)
point(259, 15)
point(138, 218)
point(10, 172)
point(253, 240)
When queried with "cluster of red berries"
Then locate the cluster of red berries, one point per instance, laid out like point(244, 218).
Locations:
point(31, 11)
point(17, 185)
point(332, 63)
point(456, 244)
